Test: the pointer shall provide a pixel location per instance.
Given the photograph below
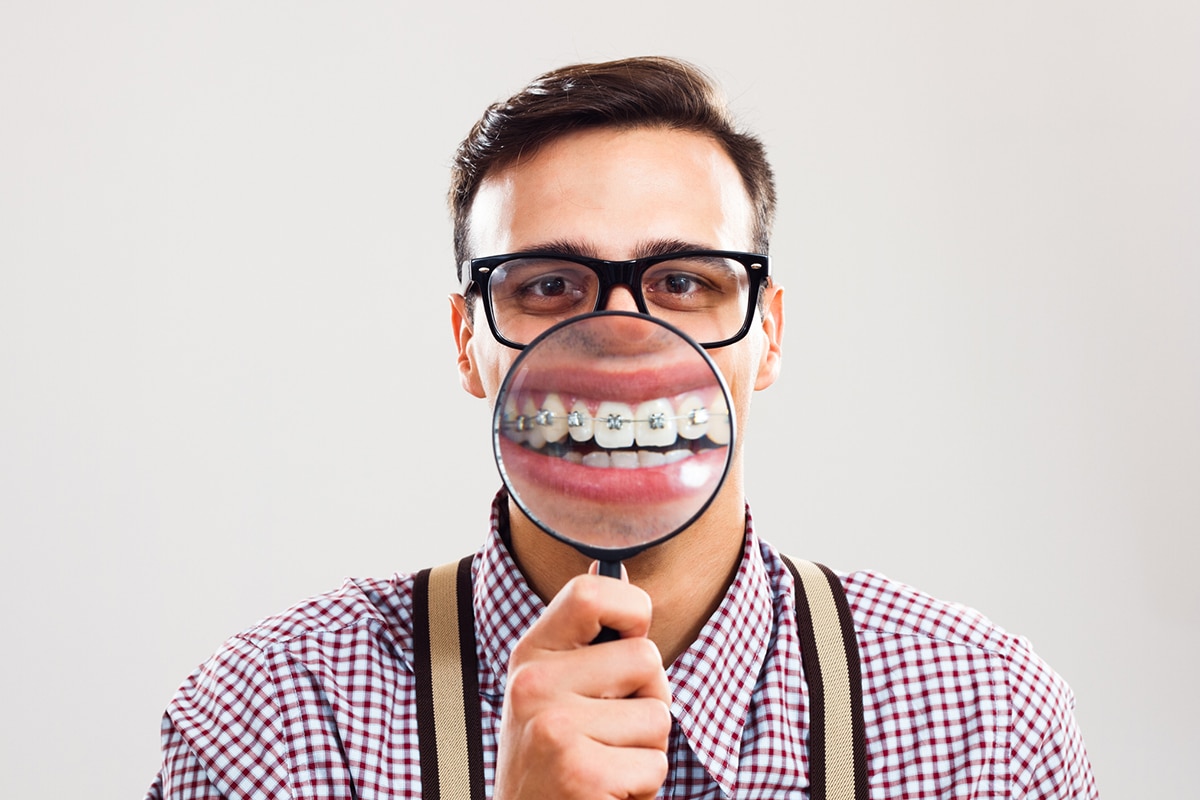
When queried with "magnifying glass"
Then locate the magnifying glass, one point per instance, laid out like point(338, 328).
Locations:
point(612, 432)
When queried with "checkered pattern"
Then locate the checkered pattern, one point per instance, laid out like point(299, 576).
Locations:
point(305, 702)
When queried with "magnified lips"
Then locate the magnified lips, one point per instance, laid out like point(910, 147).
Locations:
point(533, 473)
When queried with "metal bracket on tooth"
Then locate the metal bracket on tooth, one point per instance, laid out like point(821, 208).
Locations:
point(544, 418)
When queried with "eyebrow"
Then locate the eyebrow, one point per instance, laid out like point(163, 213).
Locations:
point(646, 249)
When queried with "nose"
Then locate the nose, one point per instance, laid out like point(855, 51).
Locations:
point(620, 298)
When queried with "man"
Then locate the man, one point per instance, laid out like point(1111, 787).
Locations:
point(703, 693)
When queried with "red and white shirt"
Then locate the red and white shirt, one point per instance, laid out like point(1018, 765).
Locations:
point(304, 702)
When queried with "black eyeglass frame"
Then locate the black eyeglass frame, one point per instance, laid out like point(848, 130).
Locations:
point(478, 271)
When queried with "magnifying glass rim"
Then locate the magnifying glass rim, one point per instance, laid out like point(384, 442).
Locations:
point(592, 551)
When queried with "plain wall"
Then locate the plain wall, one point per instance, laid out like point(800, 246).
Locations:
point(227, 376)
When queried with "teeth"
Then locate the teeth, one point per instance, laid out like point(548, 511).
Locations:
point(579, 422)
point(512, 420)
point(693, 417)
point(618, 426)
point(598, 458)
point(624, 459)
point(614, 425)
point(628, 459)
point(535, 434)
point(656, 424)
point(718, 423)
point(554, 415)
point(651, 458)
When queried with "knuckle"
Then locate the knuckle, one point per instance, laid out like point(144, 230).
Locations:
point(660, 723)
point(527, 683)
point(551, 725)
point(583, 595)
point(648, 653)
point(660, 767)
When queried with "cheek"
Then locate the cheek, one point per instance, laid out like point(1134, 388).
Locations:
point(492, 361)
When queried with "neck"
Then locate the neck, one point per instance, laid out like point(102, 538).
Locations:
point(686, 576)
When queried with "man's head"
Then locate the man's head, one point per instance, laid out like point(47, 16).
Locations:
point(635, 92)
point(628, 161)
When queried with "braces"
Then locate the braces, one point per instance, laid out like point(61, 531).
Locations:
point(614, 422)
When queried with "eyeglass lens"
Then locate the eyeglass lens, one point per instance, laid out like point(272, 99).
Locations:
point(704, 296)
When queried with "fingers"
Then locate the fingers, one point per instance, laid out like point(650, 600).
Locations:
point(585, 605)
point(583, 720)
point(614, 670)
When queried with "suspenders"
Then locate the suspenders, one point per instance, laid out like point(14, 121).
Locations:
point(448, 719)
point(448, 715)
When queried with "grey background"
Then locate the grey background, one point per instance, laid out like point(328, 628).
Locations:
point(226, 370)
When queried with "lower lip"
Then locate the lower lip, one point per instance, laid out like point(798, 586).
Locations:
point(696, 475)
point(610, 508)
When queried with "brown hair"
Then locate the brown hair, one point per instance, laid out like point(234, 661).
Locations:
point(634, 92)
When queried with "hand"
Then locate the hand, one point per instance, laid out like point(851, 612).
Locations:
point(583, 720)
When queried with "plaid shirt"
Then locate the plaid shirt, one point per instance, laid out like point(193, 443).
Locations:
point(954, 707)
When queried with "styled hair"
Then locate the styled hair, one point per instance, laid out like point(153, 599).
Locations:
point(650, 91)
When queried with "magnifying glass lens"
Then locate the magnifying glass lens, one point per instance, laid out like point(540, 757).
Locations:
point(613, 432)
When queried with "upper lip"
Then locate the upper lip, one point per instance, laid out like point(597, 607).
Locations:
point(649, 382)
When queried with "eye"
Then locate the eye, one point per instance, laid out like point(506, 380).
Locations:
point(696, 283)
point(547, 286)
point(679, 284)
point(542, 286)
point(675, 286)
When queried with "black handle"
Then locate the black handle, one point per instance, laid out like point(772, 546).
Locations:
point(609, 569)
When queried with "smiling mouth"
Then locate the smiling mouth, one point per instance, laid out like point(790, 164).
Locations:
point(615, 434)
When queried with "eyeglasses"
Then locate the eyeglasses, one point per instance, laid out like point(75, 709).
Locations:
point(708, 294)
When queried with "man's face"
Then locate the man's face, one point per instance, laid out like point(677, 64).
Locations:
point(617, 195)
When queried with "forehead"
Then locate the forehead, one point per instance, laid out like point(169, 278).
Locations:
point(612, 191)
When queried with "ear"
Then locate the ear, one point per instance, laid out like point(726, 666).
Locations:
point(464, 336)
point(772, 322)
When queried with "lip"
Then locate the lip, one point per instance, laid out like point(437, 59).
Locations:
point(647, 382)
point(611, 509)
point(694, 476)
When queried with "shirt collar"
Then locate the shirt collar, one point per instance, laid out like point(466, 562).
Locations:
point(711, 682)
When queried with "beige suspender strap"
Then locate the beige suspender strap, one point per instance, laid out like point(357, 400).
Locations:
point(829, 650)
point(448, 714)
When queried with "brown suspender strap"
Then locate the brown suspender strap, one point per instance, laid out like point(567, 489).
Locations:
point(829, 650)
point(448, 715)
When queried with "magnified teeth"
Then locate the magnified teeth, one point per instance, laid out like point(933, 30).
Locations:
point(552, 418)
point(654, 432)
point(718, 424)
point(693, 417)
point(651, 458)
point(624, 459)
point(514, 425)
point(614, 425)
point(656, 424)
point(534, 434)
point(598, 458)
point(579, 422)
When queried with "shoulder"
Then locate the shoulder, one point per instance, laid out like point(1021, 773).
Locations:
point(381, 605)
point(886, 610)
point(351, 629)
point(881, 605)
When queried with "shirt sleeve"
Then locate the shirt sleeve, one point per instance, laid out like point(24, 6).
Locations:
point(222, 732)
point(182, 776)
point(1049, 758)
